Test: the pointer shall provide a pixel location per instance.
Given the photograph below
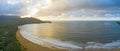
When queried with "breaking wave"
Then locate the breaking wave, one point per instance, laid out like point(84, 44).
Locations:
point(65, 44)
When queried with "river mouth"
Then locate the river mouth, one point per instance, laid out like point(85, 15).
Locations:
point(74, 35)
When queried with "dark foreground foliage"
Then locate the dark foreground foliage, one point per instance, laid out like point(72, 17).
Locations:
point(8, 28)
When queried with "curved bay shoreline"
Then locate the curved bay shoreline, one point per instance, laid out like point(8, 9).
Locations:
point(30, 46)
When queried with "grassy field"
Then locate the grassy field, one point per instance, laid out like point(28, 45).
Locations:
point(8, 28)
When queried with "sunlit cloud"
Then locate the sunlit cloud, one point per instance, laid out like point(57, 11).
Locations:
point(11, 2)
point(70, 8)
point(54, 7)
point(52, 18)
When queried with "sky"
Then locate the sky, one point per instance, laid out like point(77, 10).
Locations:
point(70, 8)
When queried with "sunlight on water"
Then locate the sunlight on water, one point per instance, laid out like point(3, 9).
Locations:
point(93, 34)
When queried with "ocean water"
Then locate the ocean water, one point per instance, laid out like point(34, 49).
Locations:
point(77, 34)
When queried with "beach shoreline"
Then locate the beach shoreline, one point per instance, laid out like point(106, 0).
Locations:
point(27, 45)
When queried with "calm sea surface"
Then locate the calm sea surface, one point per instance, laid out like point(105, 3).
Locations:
point(78, 31)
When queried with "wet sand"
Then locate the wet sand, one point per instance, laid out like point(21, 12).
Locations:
point(29, 46)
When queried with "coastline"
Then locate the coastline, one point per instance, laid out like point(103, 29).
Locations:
point(27, 45)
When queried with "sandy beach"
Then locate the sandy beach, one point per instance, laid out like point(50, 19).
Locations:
point(27, 45)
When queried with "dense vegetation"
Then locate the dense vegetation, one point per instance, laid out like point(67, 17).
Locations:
point(8, 28)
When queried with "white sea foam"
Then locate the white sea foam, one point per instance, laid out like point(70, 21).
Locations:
point(48, 42)
point(65, 45)
point(94, 45)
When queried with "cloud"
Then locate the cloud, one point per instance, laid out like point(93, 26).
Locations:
point(81, 7)
point(11, 7)
point(58, 7)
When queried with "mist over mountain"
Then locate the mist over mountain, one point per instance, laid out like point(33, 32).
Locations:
point(8, 17)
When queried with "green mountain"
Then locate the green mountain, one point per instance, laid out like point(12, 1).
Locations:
point(8, 28)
